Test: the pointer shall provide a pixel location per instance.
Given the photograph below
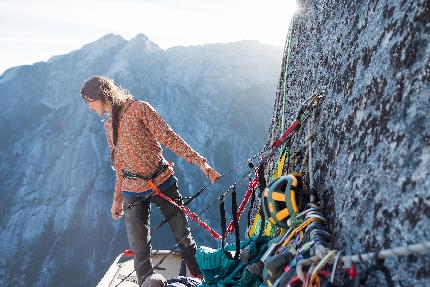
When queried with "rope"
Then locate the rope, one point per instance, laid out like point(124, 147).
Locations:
point(287, 51)
point(328, 257)
point(186, 210)
point(280, 99)
point(309, 149)
point(227, 172)
point(293, 161)
point(419, 248)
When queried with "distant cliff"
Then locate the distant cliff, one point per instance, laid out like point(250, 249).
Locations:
point(57, 184)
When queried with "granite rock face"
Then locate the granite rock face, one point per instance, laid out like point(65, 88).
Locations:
point(371, 60)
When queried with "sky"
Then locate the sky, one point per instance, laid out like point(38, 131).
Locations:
point(34, 30)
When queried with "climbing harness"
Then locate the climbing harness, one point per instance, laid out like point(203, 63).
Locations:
point(148, 179)
point(162, 166)
point(235, 223)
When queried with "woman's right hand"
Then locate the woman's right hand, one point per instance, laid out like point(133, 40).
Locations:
point(212, 174)
point(116, 210)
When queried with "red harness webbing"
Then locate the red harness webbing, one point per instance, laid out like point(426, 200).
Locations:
point(186, 210)
point(287, 133)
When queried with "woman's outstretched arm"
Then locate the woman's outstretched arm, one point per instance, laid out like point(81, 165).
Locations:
point(165, 135)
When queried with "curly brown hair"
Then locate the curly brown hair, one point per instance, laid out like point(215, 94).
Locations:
point(104, 89)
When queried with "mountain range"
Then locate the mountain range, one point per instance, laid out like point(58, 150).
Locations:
point(57, 183)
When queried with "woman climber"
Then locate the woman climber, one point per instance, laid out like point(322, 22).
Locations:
point(134, 132)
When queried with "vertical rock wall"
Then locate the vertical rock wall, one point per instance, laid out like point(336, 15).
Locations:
point(372, 136)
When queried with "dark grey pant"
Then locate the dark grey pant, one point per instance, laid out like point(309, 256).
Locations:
point(137, 223)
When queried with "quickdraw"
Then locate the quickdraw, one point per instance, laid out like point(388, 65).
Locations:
point(299, 119)
point(298, 230)
point(235, 224)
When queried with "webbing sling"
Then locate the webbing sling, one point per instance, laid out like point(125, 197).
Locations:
point(297, 122)
point(287, 133)
point(250, 207)
point(261, 187)
point(223, 225)
point(260, 215)
point(251, 187)
point(235, 224)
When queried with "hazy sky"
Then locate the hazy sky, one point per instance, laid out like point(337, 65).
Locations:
point(35, 30)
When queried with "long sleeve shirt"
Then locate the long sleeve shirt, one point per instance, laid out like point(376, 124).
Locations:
point(138, 147)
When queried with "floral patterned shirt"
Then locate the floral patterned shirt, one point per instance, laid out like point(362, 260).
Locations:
point(140, 135)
